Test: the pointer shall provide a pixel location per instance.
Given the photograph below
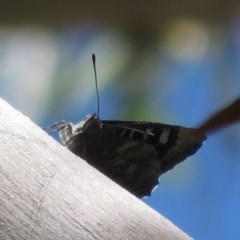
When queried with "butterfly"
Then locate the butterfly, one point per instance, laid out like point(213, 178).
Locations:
point(135, 154)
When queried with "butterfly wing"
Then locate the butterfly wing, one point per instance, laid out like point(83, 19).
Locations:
point(172, 143)
point(134, 154)
point(132, 164)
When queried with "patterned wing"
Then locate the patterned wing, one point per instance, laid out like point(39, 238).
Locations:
point(134, 154)
point(172, 143)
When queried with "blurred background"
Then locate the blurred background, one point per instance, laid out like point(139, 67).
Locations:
point(170, 62)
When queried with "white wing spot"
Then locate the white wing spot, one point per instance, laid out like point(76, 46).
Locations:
point(163, 139)
point(147, 133)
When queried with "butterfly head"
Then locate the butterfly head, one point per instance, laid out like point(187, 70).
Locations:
point(69, 130)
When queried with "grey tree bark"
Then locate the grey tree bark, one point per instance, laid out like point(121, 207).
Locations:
point(46, 192)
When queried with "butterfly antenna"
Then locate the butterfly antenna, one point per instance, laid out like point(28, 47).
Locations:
point(95, 74)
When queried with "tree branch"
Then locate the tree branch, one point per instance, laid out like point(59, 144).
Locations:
point(49, 193)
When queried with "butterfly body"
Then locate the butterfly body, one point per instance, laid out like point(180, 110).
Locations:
point(132, 153)
point(135, 154)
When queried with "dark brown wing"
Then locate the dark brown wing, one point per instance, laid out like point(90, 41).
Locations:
point(172, 143)
point(135, 154)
